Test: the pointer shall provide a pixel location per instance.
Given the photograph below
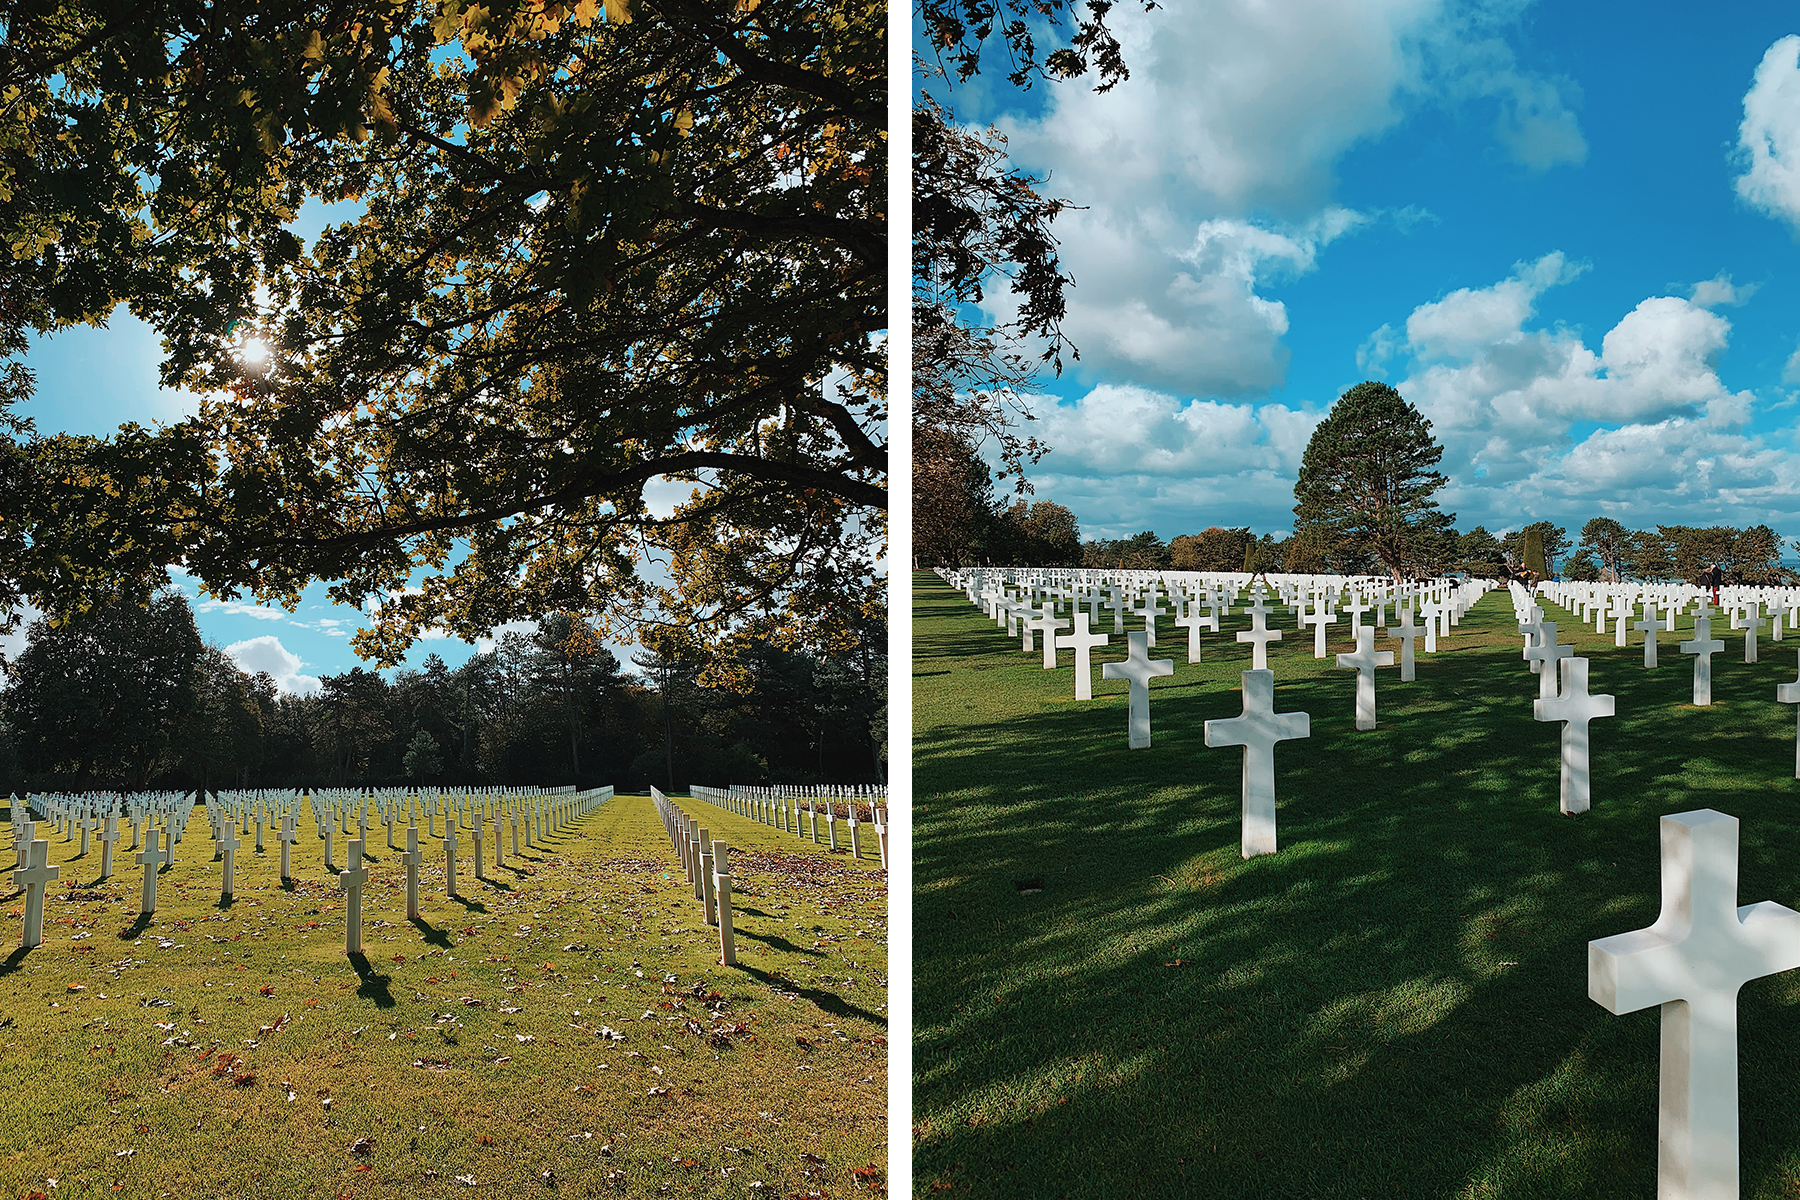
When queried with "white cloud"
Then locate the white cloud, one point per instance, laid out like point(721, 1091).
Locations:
point(236, 608)
point(1790, 374)
point(266, 653)
point(1468, 318)
point(1238, 110)
point(1534, 421)
point(1711, 293)
point(1769, 136)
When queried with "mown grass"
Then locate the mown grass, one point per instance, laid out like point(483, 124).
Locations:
point(1395, 1004)
point(233, 1050)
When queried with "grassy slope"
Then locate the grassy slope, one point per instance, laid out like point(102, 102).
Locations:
point(415, 1047)
point(1393, 1005)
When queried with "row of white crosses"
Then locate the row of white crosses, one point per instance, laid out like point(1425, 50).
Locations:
point(34, 873)
point(707, 866)
point(1190, 593)
point(779, 808)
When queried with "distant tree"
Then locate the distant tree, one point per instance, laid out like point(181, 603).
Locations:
point(952, 498)
point(222, 737)
point(100, 698)
point(1305, 552)
point(1750, 555)
point(1367, 479)
point(1041, 534)
point(1140, 552)
point(1581, 567)
point(423, 763)
point(1214, 548)
point(1650, 556)
point(1553, 539)
point(1479, 554)
point(1610, 543)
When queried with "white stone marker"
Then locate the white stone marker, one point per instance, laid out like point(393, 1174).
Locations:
point(1574, 708)
point(1082, 642)
point(1650, 627)
point(1703, 647)
point(1544, 657)
point(286, 836)
point(36, 875)
point(1364, 662)
point(1408, 633)
point(1319, 619)
point(150, 859)
point(1259, 635)
point(109, 837)
point(1047, 623)
point(227, 848)
point(450, 853)
point(350, 882)
point(1257, 730)
point(475, 832)
point(722, 890)
point(1139, 668)
point(1789, 693)
point(1752, 622)
point(1193, 620)
point(410, 859)
point(1691, 962)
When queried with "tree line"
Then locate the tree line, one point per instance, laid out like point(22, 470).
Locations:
point(130, 697)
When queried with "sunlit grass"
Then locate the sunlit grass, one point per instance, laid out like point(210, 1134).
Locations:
point(235, 1051)
point(1393, 1005)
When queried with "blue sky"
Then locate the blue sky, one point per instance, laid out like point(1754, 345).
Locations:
point(1566, 233)
point(91, 380)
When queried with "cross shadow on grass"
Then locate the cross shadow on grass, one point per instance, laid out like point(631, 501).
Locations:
point(433, 936)
point(1395, 1003)
point(828, 1002)
point(374, 985)
point(137, 927)
point(471, 905)
point(777, 942)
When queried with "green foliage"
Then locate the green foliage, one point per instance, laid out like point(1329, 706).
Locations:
point(1531, 553)
point(1140, 552)
point(422, 761)
point(1214, 548)
point(1366, 481)
point(1751, 556)
point(1581, 567)
point(1610, 543)
point(1479, 554)
point(591, 254)
point(100, 699)
point(1041, 534)
point(1551, 537)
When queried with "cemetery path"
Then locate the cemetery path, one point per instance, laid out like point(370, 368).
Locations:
point(1110, 1001)
point(565, 1029)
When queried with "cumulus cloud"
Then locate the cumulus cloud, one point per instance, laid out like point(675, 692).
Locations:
point(1717, 291)
point(1235, 111)
point(1536, 421)
point(266, 653)
point(1769, 136)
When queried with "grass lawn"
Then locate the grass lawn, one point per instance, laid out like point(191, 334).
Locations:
point(1395, 1004)
point(561, 1029)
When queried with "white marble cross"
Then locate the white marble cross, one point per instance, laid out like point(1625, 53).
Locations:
point(450, 853)
point(1408, 633)
point(109, 837)
point(1650, 627)
point(287, 836)
point(411, 859)
point(475, 833)
point(1363, 662)
point(1703, 947)
point(1789, 693)
point(1152, 609)
point(350, 882)
point(1047, 623)
point(34, 877)
point(1574, 708)
point(227, 847)
point(1319, 618)
point(1082, 641)
point(150, 858)
point(1544, 657)
point(1257, 729)
point(1703, 647)
point(1193, 620)
point(1139, 668)
point(1259, 635)
point(1752, 622)
point(1778, 608)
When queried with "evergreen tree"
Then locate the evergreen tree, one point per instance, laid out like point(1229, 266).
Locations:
point(1367, 480)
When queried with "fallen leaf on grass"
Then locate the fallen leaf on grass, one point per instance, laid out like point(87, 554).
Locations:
point(363, 1146)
